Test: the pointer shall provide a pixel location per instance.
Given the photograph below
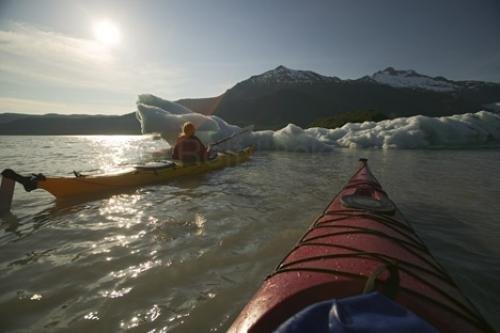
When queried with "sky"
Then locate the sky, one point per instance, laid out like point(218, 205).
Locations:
point(56, 57)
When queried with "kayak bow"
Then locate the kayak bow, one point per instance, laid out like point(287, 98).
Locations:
point(361, 239)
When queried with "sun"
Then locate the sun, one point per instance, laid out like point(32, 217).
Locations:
point(107, 33)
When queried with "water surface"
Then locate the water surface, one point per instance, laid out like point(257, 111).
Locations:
point(187, 255)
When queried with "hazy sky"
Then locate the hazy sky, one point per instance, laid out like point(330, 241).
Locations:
point(52, 61)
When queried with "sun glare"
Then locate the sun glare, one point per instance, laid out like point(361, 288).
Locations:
point(107, 33)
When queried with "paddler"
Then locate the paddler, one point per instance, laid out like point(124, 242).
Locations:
point(188, 147)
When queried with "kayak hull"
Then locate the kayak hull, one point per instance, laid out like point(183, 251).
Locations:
point(70, 187)
point(360, 232)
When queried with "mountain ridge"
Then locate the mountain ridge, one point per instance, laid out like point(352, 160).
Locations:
point(282, 95)
point(390, 91)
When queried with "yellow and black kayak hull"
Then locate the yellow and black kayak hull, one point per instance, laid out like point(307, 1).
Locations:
point(71, 187)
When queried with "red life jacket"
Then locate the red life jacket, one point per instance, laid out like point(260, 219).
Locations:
point(189, 150)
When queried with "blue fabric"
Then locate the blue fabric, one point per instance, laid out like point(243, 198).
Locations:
point(371, 312)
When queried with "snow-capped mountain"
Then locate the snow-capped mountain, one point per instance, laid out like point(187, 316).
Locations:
point(282, 75)
point(282, 95)
point(411, 79)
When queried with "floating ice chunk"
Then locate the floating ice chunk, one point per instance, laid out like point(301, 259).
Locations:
point(167, 118)
point(422, 131)
point(156, 120)
point(399, 133)
point(171, 107)
point(289, 138)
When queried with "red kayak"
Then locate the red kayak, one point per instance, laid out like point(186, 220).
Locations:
point(361, 236)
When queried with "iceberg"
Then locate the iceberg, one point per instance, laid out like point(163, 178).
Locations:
point(157, 115)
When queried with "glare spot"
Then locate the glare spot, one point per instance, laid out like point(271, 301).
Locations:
point(91, 316)
point(135, 270)
point(200, 224)
point(115, 293)
point(140, 318)
point(177, 317)
point(153, 313)
point(134, 322)
point(107, 33)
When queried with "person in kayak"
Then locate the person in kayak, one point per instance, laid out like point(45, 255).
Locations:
point(188, 147)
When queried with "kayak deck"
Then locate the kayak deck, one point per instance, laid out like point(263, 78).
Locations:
point(70, 187)
point(360, 232)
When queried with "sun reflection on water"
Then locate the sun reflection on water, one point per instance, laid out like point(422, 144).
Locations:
point(122, 209)
point(200, 221)
point(112, 152)
point(92, 316)
point(134, 270)
point(150, 315)
point(115, 293)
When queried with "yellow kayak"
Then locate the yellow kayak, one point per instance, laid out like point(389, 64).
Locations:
point(79, 185)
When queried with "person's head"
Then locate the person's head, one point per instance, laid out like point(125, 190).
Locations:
point(188, 129)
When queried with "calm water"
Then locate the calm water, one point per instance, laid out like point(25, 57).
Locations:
point(187, 255)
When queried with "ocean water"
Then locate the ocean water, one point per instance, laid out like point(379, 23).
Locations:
point(185, 256)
